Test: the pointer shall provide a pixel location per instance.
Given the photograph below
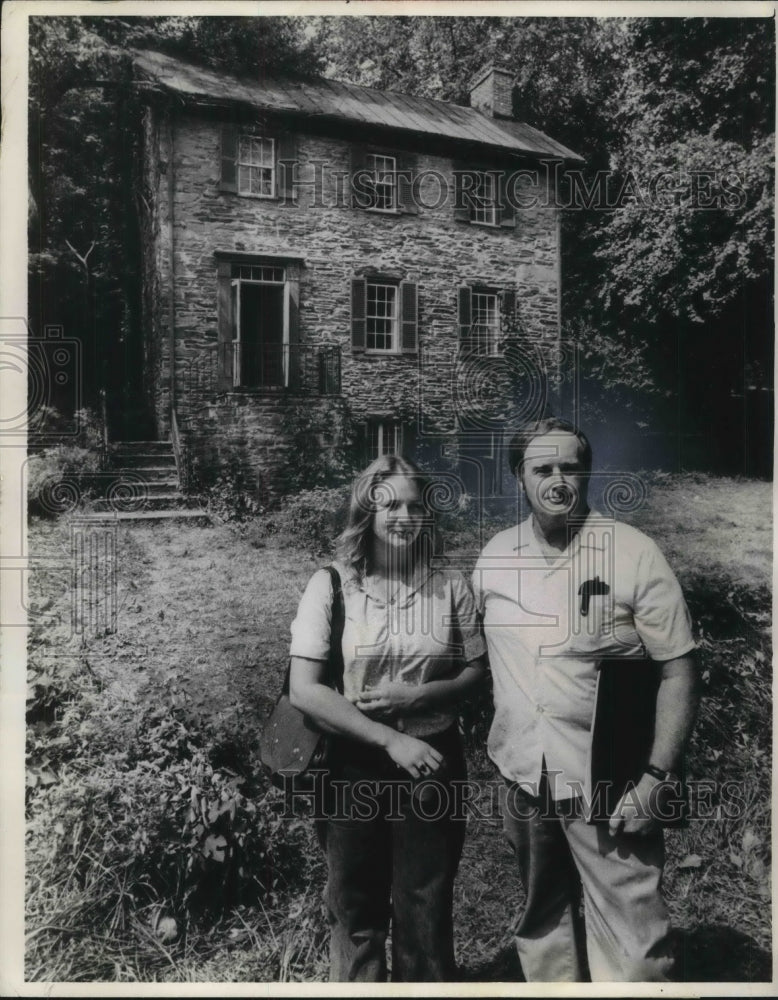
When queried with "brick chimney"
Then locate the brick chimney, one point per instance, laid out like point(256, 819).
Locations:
point(491, 92)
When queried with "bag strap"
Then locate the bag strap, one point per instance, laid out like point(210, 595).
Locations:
point(337, 622)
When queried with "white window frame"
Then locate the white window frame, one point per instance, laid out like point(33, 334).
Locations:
point(382, 169)
point(257, 274)
point(385, 437)
point(246, 163)
point(393, 318)
point(485, 323)
point(484, 199)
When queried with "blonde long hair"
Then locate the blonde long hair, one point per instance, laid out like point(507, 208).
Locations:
point(354, 545)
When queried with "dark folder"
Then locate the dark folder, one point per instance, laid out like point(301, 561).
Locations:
point(622, 736)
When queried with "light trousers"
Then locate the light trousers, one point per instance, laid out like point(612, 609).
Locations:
point(625, 932)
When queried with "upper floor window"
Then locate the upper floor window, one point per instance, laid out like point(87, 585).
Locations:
point(257, 165)
point(481, 196)
point(484, 200)
point(383, 171)
point(384, 315)
point(382, 180)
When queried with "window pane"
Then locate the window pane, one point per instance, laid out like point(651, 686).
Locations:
point(256, 165)
point(484, 200)
point(485, 329)
point(381, 317)
point(384, 180)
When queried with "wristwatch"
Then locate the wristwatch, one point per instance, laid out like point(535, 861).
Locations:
point(660, 775)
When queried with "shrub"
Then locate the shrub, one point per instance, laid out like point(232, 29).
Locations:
point(57, 476)
point(313, 518)
point(230, 498)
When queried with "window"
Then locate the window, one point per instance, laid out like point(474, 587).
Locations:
point(484, 199)
point(481, 315)
point(256, 166)
point(482, 196)
point(383, 180)
point(485, 328)
point(384, 315)
point(258, 322)
point(381, 317)
point(384, 437)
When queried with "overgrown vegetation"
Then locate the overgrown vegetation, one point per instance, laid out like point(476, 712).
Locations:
point(155, 847)
point(58, 475)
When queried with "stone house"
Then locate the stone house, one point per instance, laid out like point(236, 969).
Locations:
point(332, 272)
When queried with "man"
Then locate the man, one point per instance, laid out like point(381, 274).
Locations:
point(559, 593)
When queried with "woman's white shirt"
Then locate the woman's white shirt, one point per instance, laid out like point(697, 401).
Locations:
point(412, 634)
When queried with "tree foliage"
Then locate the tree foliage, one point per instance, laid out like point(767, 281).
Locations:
point(690, 100)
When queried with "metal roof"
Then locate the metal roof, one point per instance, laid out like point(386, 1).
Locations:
point(330, 99)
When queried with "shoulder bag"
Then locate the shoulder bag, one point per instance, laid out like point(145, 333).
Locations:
point(292, 745)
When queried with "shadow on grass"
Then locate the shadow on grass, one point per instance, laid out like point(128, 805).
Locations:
point(502, 967)
point(717, 954)
point(713, 954)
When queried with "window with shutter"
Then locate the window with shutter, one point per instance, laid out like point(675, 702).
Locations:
point(482, 197)
point(384, 315)
point(256, 165)
point(382, 180)
point(481, 312)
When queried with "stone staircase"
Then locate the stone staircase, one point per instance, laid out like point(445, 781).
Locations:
point(144, 485)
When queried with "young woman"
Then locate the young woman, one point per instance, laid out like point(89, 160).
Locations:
point(412, 648)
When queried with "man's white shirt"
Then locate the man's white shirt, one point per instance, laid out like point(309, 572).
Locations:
point(548, 625)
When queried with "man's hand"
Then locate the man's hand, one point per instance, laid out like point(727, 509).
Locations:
point(389, 698)
point(636, 808)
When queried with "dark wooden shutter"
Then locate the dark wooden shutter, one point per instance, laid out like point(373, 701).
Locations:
point(461, 200)
point(409, 317)
point(507, 305)
point(294, 334)
point(285, 166)
point(507, 214)
point(361, 191)
point(406, 172)
point(464, 313)
point(225, 328)
point(358, 312)
point(228, 180)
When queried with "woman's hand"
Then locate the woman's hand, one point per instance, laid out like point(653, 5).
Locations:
point(390, 698)
point(418, 758)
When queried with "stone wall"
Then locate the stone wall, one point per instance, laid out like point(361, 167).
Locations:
point(336, 242)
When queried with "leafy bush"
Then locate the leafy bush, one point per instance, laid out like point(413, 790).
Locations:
point(137, 812)
point(230, 498)
point(57, 475)
point(313, 518)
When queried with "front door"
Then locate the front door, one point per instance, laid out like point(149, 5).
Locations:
point(260, 342)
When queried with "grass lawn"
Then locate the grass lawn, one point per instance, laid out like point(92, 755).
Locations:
point(201, 636)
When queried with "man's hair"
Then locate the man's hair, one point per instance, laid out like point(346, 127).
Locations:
point(521, 439)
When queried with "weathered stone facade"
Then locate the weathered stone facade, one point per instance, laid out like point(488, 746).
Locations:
point(436, 390)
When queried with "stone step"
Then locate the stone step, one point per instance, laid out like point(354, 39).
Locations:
point(149, 447)
point(132, 460)
point(194, 517)
point(146, 501)
point(148, 474)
